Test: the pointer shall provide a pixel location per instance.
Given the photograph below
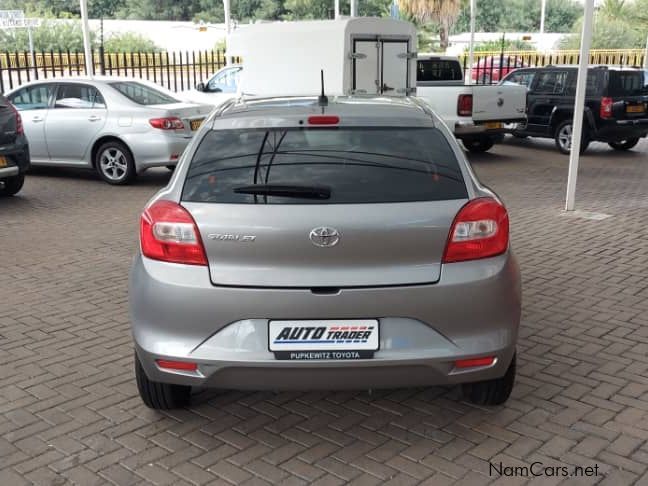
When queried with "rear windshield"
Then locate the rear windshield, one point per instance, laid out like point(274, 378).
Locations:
point(355, 165)
point(142, 94)
point(628, 83)
point(438, 70)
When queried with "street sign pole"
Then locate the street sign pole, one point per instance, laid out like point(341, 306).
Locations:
point(579, 105)
point(87, 46)
point(228, 29)
point(471, 51)
point(32, 54)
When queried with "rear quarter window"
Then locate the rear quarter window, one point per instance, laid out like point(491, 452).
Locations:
point(627, 83)
point(358, 165)
point(142, 94)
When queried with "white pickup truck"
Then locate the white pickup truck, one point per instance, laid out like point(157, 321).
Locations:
point(476, 114)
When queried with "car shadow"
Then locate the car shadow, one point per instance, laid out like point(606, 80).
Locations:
point(151, 177)
point(595, 149)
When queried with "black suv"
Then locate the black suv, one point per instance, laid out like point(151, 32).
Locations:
point(14, 151)
point(616, 105)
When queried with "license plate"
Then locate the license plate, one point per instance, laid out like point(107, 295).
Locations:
point(635, 109)
point(4, 162)
point(195, 124)
point(493, 125)
point(323, 339)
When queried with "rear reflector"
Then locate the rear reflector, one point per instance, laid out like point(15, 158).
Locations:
point(480, 230)
point(176, 365)
point(168, 233)
point(323, 120)
point(474, 362)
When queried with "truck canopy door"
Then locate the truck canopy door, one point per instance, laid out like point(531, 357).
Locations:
point(381, 66)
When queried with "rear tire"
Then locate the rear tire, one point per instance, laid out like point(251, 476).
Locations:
point(478, 145)
point(491, 392)
point(12, 185)
point(563, 137)
point(626, 144)
point(171, 167)
point(114, 163)
point(160, 396)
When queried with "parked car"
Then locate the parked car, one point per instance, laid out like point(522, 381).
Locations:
point(324, 245)
point(120, 127)
point(222, 86)
point(616, 105)
point(491, 69)
point(476, 114)
point(14, 150)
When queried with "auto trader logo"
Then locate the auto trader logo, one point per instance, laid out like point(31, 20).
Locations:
point(324, 335)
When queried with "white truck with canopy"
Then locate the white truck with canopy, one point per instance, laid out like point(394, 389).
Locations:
point(364, 56)
point(360, 55)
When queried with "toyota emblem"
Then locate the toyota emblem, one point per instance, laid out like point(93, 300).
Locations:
point(324, 236)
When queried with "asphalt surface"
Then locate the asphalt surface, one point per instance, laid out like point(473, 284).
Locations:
point(70, 413)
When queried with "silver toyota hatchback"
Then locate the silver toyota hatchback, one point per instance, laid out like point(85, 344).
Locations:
point(305, 243)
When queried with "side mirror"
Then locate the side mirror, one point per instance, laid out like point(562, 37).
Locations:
point(200, 87)
point(215, 90)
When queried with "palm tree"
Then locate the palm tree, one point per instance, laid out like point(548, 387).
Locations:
point(443, 12)
point(613, 9)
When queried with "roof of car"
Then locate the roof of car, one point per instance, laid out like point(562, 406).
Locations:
point(591, 66)
point(366, 110)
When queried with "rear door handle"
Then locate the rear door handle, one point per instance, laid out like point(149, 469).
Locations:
point(37, 119)
point(94, 118)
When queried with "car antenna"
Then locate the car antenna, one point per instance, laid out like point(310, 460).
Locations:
point(323, 99)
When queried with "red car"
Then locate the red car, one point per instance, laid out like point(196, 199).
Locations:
point(487, 70)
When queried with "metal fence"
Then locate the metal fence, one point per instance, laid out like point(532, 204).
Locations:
point(178, 71)
point(491, 67)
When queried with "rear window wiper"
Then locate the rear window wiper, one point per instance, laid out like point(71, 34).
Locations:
point(280, 190)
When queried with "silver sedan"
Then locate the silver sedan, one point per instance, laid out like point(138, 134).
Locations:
point(120, 127)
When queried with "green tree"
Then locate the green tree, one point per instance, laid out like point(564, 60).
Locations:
point(129, 42)
point(519, 16)
point(48, 36)
point(607, 33)
point(104, 8)
point(307, 9)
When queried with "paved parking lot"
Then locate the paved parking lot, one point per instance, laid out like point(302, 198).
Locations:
point(70, 414)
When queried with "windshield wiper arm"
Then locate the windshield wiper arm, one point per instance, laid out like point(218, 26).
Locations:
point(281, 190)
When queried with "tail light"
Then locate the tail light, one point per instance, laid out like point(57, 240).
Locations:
point(480, 230)
point(19, 124)
point(464, 105)
point(606, 107)
point(168, 233)
point(168, 123)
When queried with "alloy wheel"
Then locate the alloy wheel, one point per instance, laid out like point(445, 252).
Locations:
point(565, 137)
point(113, 164)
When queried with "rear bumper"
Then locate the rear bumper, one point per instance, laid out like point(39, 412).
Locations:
point(176, 313)
point(622, 129)
point(18, 156)
point(156, 148)
point(471, 128)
